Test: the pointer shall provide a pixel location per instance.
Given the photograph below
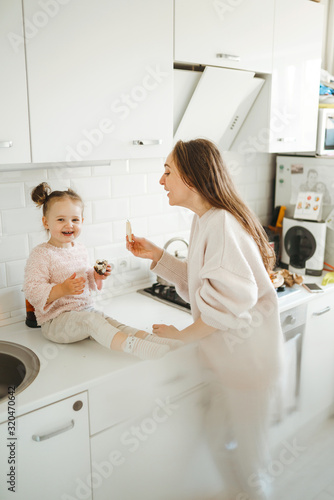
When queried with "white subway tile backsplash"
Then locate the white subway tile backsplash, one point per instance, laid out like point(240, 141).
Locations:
point(128, 185)
point(11, 298)
point(146, 205)
point(14, 247)
point(12, 195)
point(115, 167)
point(97, 234)
point(88, 212)
point(15, 272)
point(69, 172)
point(153, 185)
point(21, 220)
point(145, 165)
point(38, 238)
point(105, 210)
point(92, 188)
point(161, 224)
point(3, 281)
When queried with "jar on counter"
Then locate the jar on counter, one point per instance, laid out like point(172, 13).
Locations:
point(31, 320)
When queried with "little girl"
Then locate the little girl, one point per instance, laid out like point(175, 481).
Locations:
point(58, 283)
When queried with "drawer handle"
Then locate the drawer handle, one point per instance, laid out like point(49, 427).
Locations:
point(147, 142)
point(286, 139)
point(323, 311)
point(6, 144)
point(229, 57)
point(291, 320)
point(43, 437)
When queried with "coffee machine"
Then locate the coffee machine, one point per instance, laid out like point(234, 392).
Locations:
point(303, 246)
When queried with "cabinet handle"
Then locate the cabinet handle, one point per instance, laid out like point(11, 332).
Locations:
point(229, 57)
point(323, 311)
point(43, 437)
point(6, 144)
point(146, 142)
point(286, 139)
point(291, 320)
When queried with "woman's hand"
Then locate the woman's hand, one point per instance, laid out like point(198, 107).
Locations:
point(140, 247)
point(100, 277)
point(167, 331)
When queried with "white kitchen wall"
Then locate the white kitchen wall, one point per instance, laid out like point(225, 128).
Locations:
point(112, 193)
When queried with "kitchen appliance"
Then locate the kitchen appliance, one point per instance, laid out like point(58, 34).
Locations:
point(303, 246)
point(163, 291)
point(166, 294)
point(325, 138)
point(292, 173)
point(212, 102)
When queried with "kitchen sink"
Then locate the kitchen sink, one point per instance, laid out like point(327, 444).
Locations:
point(19, 366)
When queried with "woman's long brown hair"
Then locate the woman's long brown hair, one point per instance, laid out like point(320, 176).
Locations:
point(201, 166)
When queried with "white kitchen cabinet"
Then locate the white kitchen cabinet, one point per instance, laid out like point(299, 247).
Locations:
point(99, 79)
point(52, 453)
point(150, 457)
point(317, 370)
point(284, 116)
point(14, 124)
point(232, 34)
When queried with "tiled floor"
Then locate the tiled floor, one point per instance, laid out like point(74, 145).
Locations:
point(311, 475)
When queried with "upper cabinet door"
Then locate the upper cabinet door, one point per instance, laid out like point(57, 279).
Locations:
point(296, 76)
point(100, 79)
point(14, 124)
point(232, 34)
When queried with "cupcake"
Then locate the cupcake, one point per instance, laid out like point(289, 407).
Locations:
point(101, 266)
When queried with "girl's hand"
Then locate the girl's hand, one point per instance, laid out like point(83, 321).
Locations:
point(167, 331)
point(140, 247)
point(73, 285)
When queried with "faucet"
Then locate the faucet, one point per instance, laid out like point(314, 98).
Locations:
point(175, 239)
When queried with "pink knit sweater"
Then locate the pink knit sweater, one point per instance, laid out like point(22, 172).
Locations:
point(48, 266)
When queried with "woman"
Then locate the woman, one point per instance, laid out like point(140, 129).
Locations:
point(233, 303)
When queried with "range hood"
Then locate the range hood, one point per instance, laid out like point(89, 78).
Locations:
point(213, 103)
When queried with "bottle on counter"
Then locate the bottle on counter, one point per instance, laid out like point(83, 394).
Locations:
point(31, 320)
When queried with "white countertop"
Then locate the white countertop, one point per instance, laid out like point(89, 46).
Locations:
point(72, 368)
point(67, 369)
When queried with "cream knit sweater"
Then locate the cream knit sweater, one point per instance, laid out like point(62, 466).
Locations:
point(48, 266)
point(227, 285)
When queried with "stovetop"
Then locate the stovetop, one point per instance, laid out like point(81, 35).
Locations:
point(166, 294)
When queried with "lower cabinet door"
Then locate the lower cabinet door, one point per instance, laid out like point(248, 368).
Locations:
point(317, 376)
point(150, 458)
point(49, 453)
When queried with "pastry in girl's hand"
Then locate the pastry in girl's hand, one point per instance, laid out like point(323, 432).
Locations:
point(101, 266)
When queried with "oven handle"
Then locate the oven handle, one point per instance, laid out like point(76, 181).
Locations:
point(323, 311)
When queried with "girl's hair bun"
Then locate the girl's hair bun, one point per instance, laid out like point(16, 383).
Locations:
point(41, 193)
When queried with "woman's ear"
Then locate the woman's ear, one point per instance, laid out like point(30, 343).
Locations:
point(45, 222)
